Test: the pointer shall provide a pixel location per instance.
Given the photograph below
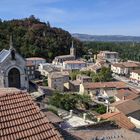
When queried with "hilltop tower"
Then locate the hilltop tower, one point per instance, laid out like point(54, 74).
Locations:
point(72, 50)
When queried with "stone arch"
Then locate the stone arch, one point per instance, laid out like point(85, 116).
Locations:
point(14, 78)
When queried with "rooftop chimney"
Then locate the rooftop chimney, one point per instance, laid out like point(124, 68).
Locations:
point(123, 97)
point(84, 116)
point(71, 113)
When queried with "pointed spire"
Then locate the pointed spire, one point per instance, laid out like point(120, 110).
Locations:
point(11, 42)
point(72, 44)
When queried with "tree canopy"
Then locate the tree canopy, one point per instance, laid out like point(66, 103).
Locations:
point(126, 50)
point(31, 37)
point(105, 75)
point(69, 101)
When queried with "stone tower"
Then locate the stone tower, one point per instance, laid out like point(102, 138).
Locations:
point(73, 50)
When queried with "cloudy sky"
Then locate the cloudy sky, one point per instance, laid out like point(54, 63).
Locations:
point(97, 17)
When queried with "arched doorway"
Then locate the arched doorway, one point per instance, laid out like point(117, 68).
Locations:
point(14, 78)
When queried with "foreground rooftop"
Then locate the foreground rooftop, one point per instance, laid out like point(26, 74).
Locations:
point(22, 119)
point(114, 134)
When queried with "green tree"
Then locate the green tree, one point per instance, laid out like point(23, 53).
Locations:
point(69, 101)
point(101, 109)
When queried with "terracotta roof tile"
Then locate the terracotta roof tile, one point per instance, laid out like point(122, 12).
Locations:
point(127, 93)
point(74, 62)
point(126, 106)
point(22, 119)
point(29, 63)
point(119, 118)
point(96, 85)
point(126, 65)
point(136, 71)
point(34, 58)
point(113, 134)
point(53, 117)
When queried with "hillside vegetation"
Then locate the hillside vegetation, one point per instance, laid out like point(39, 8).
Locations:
point(31, 37)
point(126, 50)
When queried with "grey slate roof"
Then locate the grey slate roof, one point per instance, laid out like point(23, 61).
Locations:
point(3, 54)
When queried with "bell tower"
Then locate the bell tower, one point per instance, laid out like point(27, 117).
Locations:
point(72, 50)
point(12, 50)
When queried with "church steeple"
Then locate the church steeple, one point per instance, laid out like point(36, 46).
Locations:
point(72, 50)
point(72, 44)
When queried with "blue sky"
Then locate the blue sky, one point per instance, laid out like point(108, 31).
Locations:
point(97, 17)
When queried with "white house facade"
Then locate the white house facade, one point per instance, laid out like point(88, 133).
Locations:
point(74, 65)
point(135, 76)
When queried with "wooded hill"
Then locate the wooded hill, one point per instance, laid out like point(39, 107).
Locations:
point(31, 37)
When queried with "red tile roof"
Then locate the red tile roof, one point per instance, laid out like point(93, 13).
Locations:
point(74, 62)
point(136, 71)
point(126, 65)
point(97, 85)
point(35, 58)
point(29, 63)
point(118, 65)
point(126, 93)
point(22, 119)
point(113, 134)
point(119, 118)
point(126, 106)
point(53, 118)
point(130, 64)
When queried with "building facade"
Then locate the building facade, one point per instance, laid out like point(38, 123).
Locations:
point(108, 56)
point(56, 80)
point(36, 61)
point(135, 76)
point(12, 69)
point(124, 68)
point(30, 67)
point(47, 68)
point(74, 65)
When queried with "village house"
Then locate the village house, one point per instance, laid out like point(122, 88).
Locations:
point(105, 134)
point(53, 118)
point(30, 67)
point(74, 85)
point(127, 106)
point(35, 61)
point(56, 80)
point(120, 119)
point(135, 76)
point(124, 68)
point(105, 89)
point(96, 67)
point(128, 93)
point(93, 68)
point(83, 78)
point(107, 56)
point(73, 65)
point(46, 68)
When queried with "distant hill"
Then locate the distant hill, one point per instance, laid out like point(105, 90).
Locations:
point(106, 38)
point(32, 37)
